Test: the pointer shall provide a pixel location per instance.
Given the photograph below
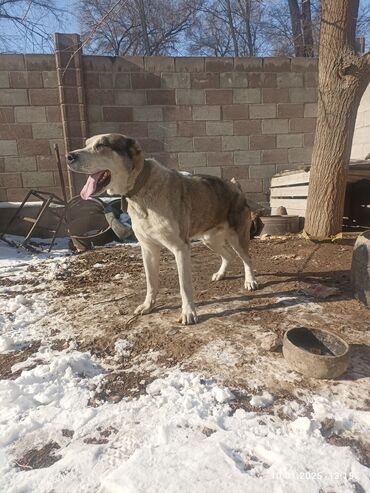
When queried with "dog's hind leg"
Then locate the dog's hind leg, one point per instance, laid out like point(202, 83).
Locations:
point(218, 244)
point(151, 254)
point(239, 241)
point(182, 256)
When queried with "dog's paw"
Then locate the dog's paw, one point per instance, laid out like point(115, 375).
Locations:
point(144, 308)
point(251, 285)
point(217, 276)
point(188, 316)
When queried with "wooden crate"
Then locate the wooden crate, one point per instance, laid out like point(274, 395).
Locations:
point(290, 188)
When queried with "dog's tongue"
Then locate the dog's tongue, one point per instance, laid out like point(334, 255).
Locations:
point(90, 185)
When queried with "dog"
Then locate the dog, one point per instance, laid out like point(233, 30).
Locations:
point(168, 209)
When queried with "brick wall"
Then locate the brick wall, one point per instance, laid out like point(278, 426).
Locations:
point(361, 137)
point(30, 123)
point(232, 117)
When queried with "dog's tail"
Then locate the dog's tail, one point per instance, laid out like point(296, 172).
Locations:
point(256, 211)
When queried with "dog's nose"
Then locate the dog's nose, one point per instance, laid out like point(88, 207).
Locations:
point(72, 156)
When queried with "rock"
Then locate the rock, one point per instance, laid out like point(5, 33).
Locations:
point(360, 270)
point(320, 291)
point(281, 211)
point(271, 342)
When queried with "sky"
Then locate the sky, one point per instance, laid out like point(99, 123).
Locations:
point(12, 40)
point(69, 23)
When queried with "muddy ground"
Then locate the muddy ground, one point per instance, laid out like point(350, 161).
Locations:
point(237, 340)
point(99, 291)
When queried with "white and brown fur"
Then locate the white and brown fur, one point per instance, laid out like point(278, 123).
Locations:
point(169, 210)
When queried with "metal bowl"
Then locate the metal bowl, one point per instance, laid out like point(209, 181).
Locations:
point(279, 225)
point(315, 353)
point(87, 223)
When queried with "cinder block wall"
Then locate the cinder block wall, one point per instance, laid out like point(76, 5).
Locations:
point(30, 123)
point(232, 117)
point(361, 137)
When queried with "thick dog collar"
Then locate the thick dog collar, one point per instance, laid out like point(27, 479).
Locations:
point(140, 181)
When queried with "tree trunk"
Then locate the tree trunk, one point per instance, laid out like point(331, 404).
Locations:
point(295, 18)
point(343, 77)
point(307, 28)
point(144, 27)
point(232, 27)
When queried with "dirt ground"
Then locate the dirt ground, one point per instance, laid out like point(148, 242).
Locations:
point(100, 290)
point(238, 338)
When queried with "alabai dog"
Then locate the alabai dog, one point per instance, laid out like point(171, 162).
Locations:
point(168, 209)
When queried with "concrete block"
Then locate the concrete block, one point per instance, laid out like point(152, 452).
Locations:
point(192, 159)
point(190, 96)
point(147, 113)
point(14, 97)
point(178, 144)
point(290, 140)
point(130, 98)
point(303, 95)
point(206, 112)
point(275, 126)
point(209, 170)
point(219, 128)
point(262, 111)
point(247, 95)
point(8, 147)
point(205, 144)
point(175, 80)
point(17, 164)
point(235, 143)
point(247, 157)
point(262, 142)
point(37, 179)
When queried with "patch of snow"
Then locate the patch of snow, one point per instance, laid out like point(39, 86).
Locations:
point(123, 348)
point(15, 256)
point(6, 344)
point(305, 427)
point(160, 441)
point(263, 400)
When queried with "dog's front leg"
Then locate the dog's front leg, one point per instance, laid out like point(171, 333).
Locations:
point(182, 256)
point(150, 253)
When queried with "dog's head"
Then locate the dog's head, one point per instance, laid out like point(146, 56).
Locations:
point(108, 159)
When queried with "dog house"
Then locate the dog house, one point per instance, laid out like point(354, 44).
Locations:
point(289, 190)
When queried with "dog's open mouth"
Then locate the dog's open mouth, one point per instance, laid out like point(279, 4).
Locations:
point(95, 183)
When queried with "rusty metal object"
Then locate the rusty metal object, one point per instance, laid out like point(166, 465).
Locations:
point(315, 353)
point(87, 223)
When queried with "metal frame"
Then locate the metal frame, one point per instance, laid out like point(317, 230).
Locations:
point(47, 199)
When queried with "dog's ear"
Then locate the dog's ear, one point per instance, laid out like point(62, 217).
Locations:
point(125, 146)
point(133, 148)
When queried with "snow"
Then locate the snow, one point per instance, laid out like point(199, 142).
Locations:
point(6, 344)
point(122, 348)
point(183, 434)
point(263, 400)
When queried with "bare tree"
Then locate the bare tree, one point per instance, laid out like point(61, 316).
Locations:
point(292, 27)
point(137, 27)
point(24, 21)
point(228, 28)
point(343, 78)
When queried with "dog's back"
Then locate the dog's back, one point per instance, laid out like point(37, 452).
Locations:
point(213, 201)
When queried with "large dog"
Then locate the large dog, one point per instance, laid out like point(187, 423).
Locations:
point(168, 209)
